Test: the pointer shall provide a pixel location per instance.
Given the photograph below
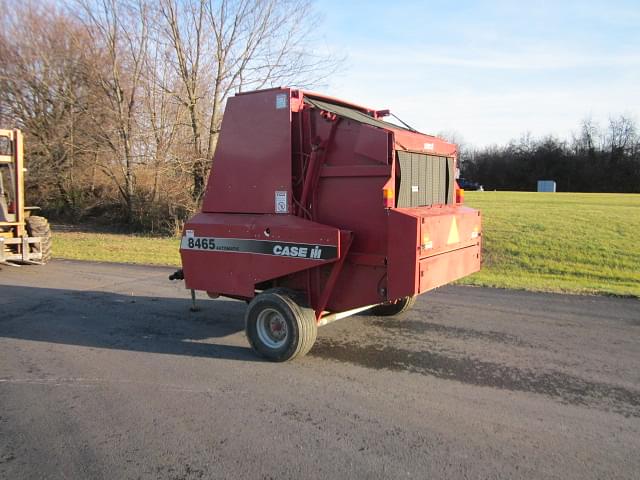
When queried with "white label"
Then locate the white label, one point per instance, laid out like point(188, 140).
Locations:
point(189, 233)
point(428, 146)
point(414, 189)
point(281, 101)
point(282, 205)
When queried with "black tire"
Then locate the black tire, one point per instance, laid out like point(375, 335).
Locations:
point(266, 317)
point(297, 297)
point(39, 227)
point(397, 307)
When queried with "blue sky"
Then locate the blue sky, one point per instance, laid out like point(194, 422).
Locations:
point(488, 71)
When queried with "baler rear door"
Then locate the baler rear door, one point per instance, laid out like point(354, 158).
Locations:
point(449, 246)
point(430, 247)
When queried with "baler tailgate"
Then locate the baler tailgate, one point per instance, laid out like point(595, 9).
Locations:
point(449, 247)
point(445, 230)
point(438, 270)
point(446, 241)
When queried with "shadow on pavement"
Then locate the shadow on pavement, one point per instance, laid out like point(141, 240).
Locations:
point(110, 320)
point(166, 325)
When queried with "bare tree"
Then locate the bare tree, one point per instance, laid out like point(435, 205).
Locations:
point(620, 137)
point(118, 31)
point(184, 28)
point(161, 115)
point(122, 100)
point(588, 137)
point(225, 46)
point(44, 92)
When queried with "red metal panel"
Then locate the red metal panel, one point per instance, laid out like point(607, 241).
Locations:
point(447, 267)
point(356, 144)
point(447, 228)
point(349, 192)
point(372, 143)
point(403, 231)
point(356, 202)
point(420, 142)
point(237, 273)
point(253, 156)
point(357, 286)
point(422, 240)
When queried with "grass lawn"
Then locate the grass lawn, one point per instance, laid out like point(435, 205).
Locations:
point(113, 247)
point(562, 242)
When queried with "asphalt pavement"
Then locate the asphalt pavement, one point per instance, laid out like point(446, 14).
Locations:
point(106, 373)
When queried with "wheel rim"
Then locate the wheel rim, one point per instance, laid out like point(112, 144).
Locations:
point(272, 328)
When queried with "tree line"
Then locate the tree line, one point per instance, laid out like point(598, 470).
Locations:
point(121, 100)
point(121, 103)
point(595, 159)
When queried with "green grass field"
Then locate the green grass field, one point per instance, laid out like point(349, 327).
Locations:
point(113, 247)
point(562, 242)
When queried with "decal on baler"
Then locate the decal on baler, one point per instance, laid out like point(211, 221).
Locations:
point(281, 100)
point(261, 247)
point(281, 202)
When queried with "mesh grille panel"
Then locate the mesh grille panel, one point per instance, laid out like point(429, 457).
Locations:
point(424, 180)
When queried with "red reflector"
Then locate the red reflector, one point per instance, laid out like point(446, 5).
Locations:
point(459, 195)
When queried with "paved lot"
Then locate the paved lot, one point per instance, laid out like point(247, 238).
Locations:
point(104, 373)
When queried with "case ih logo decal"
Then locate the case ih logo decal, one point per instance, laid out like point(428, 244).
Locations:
point(262, 247)
point(297, 251)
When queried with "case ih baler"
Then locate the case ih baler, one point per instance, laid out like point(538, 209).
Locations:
point(316, 209)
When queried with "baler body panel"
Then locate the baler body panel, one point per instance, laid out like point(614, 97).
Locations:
point(235, 252)
point(331, 161)
point(430, 247)
point(348, 193)
point(253, 155)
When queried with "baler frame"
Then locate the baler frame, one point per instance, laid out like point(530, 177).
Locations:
point(304, 222)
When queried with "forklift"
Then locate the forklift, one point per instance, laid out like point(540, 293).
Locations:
point(24, 238)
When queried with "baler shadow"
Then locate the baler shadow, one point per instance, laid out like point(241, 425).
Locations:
point(110, 320)
point(564, 386)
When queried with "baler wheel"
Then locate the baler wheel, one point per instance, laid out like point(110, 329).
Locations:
point(394, 308)
point(278, 328)
point(39, 227)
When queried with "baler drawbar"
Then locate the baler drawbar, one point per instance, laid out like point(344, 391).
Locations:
point(316, 209)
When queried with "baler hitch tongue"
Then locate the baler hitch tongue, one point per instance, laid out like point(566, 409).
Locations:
point(177, 275)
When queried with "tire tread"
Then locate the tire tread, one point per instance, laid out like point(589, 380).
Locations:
point(304, 318)
point(394, 308)
point(39, 227)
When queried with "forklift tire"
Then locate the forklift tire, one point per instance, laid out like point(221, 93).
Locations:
point(278, 328)
point(389, 309)
point(39, 227)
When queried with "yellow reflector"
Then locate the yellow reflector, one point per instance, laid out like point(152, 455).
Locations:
point(454, 236)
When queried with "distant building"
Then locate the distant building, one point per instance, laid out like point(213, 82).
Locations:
point(546, 186)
